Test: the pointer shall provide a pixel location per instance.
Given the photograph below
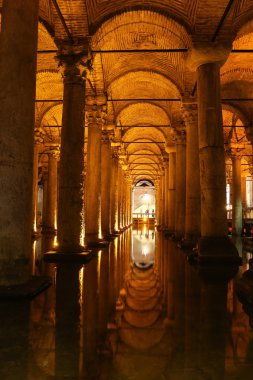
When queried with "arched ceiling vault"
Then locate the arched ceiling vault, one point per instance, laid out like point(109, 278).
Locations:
point(149, 25)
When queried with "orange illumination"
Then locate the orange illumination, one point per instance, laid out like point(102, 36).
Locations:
point(55, 243)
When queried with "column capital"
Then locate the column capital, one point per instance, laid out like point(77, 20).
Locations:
point(235, 150)
point(105, 137)
point(74, 62)
point(54, 152)
point(180, 133)
point(202, 53)
point(96, 110)
point(38, 135)
point(190, 113)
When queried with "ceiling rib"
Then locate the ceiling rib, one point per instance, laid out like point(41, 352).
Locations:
point(63, 21)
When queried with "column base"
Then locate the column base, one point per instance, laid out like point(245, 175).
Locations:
point(97, 244)
point(48, 230)
point(36, 235)
point(220, 250)
point(115, 233)
point(27, 290)
point(61, 257)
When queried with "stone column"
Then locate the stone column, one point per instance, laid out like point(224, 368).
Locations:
point(180, 185)
point(214, 243)
point(172, 192)
point(44, 207)
point(237, 196)
point(52, 181)
point(37, 141)
point(166, 194)
point(93, 175)
point(120, 198)
point(192, 207)
point(18, 47)
point(243, 192)
point(106, 166)
point(70, 207)
point(114, 194)
point(161, 200)
point(157, 205)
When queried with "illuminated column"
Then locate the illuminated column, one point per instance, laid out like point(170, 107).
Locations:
point(166, 193)
point(123, 200)
point(93, 175)
point(70, 206)
point(44, 207)
point(211, 145)
point(214, 243)
point(236, 195)
point(180, 185)
point(105, 185)
point(172, 192)
point(157, 206)
point(243, 192)
point(37, 141)
point(114, 194)
point(17, 94)
point(129, 198)
point(161, 200)
point(120, 193)
point(192, 207)
point(52, 179)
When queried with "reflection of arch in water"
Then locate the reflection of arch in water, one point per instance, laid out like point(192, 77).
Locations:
point(143, 248)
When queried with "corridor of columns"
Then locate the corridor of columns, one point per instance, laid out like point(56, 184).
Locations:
point(126, 191)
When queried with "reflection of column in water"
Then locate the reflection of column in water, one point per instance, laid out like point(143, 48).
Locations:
point(165, 269)
point(103, 294)
point(14, 320)
point(68, 337)
point(171, 281)
point(192, 318)
point(90, 316)
point(213, 326)
point(179, 320)
point(127, 253)
point(111, 277)
point(42, 332)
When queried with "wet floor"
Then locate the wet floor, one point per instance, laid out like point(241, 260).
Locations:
point(136, 311)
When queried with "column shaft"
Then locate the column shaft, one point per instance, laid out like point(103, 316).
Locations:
point(211, 151)
point(192, 207)
point(214, 243)
point(172, 192)
point(180, 188)
point(35, 185)
point(105, 186)
point(93, 185)
point(237, 196)
point(114, 196)
point(18, 47)
point(51, 208)
point(70, 220)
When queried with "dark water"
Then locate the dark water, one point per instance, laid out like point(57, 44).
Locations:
point(137, 311)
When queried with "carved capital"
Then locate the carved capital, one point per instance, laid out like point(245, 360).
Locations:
point(190, 113)
point(74, 63)
point(96, 110)
point(54, 152)
point(180, 137)
point(105, 138)
point(39, 135)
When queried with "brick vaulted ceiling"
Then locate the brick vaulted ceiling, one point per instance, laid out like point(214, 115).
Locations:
point(145, 126)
